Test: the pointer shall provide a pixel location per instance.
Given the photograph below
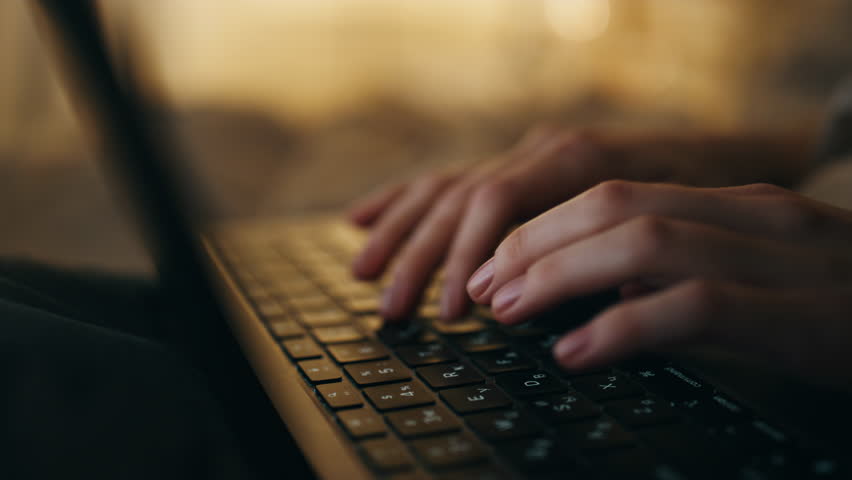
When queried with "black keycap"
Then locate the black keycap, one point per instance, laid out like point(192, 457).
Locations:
point(691, 449)
point(642, 412)
point(503, 424)
point(406, 333)
point(671, 383)
point(482, 472)
point(286, 328)
point(632, 463)
point(503, 361)
point(387, 454)
point(483, 341)
point(537, 455)
point(603, 433)
point(399, 395)
point(563, 407)
point(362, 422)
point(337, 334)
point(321, 370)
point(417, 422)
point(357, 352)
point(461, 327)
point(417, 355)
point(449, 450)
point(530, 383)
point(538, 346)
point(325, 318)
point(718, 409)
point(382, 371)
point(449, 375)
point(607, 387)
point(302, 348)
point(753, 437)
point(475, 398)
point(340, 394)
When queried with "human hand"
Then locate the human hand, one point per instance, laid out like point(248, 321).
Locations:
point(459, 217)
point(755, 270)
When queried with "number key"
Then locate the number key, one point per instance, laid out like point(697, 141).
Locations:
point(399, 395)
point(423, 421)
point(372, 373)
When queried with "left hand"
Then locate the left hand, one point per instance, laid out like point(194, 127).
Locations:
point(756, 270)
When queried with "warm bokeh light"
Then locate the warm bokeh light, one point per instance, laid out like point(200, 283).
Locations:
point(577, 20)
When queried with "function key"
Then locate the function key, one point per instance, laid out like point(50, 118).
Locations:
point(475, 398)
point(530, 383)
point(337, 334)
point(483, 341)
point(537, 455)
point(503, 425)
point(387, 454)
point(285, 328)
point(320, 371)
point(399, 395)
point(642, 412)
point(564, 407)
point(340, 395)
point(607, 387)
point(357, 352)
point(382, 371)
point(417, 355)
point(600, 434)
point(449, 375)
point(362, 422)
point(461, 327)
point(423, 421)
point(302, 349)
point(449, 451)
point(503, 361)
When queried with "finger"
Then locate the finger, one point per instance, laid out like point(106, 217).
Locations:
point(367, 210)
point(664, 251)
point(791, 330)
point(614, 202)
point(395, 225)
point(424, 251)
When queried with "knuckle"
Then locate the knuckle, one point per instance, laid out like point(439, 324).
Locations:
point(494, 192)
point(512, 247)
point(763, 189)
point(433, 181)
point(612, 195)
point(545, 272)
point(793, 214)
point(649, 235)
point(704, 299)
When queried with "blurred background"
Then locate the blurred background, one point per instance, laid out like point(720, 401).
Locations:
point(291, 106)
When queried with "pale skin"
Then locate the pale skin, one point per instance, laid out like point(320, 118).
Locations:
point(756, 270)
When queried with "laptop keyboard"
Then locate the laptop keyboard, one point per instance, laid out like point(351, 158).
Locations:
point(478, 400)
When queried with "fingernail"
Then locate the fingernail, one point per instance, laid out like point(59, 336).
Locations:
point(507, 295)
point(570, 346)
point(481, 279)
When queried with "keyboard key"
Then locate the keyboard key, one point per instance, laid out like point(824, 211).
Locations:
point(691, 449)
point(362, 422)
point(340, 395)
point(449, 375)
point(337, 334)
point(537, 455)
point(302, 349)
point(483, 341)
point(387, 454)
point(600, 434)
point(362, 305)
point(607, 387)
point(641, 412)
point(671, 383)
point(325, 318)
point(321, 370)
point(428, 354)
point(423, 421)
point(475, 398)
point(503, 425)
point(406, 333)
point(285, 328)
point(530, 383)
point(357, 352)
point(461, 327)
point(449, 450)
point(503, 361)
point(483, 472)
point(314, 303)
point(564, 407)
point(717, 409)
point(754, 437)
point(538, 346)
point(630, 463)
point(270, 308)
point(399, 395)
point(382, 371)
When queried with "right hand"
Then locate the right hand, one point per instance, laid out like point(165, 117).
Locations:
point(458, 218)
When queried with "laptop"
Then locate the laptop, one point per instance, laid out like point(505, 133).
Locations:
point(468, 400)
